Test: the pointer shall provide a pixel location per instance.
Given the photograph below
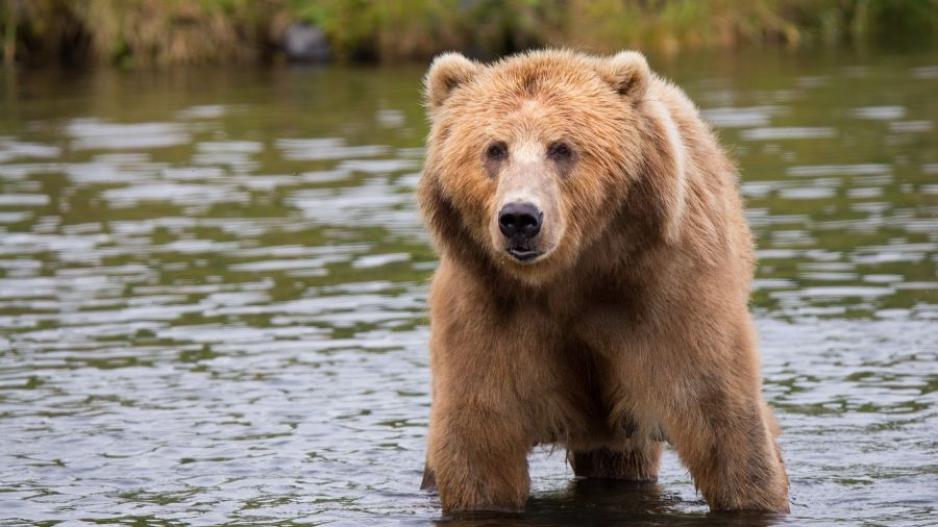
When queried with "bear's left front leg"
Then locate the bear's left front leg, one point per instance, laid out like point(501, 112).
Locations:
point(727, 441)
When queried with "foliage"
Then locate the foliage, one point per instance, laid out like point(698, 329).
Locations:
point(132, 32)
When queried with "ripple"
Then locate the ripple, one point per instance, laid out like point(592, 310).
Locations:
point(94, 134)
point(807, 193)
point(173, 193)
point(879, 113)
point(792, 132)
point(838, 170)
point(23, 200)
point(10, 149)
point(911, 127)
point(325, 149)
point(729, 117)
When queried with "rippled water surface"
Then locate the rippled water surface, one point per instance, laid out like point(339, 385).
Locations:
point(213, 287)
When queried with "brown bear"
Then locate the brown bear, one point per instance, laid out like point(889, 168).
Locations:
point(595, 268)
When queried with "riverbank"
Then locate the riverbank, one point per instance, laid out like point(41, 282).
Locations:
point(131, 33)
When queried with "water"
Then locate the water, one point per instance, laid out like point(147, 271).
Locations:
point(213, 288)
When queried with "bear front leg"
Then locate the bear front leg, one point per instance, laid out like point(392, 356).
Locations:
point(478, 459)
point(728, 444)
point(634, 461)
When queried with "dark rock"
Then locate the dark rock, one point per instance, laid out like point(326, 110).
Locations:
point(305, 43)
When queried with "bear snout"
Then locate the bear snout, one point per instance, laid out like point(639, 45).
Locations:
point(520, 220)
point(520, 223)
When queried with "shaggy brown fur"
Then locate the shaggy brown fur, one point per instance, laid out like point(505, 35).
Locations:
point(631, 327)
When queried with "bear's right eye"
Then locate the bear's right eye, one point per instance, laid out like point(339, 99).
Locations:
point(497, 151)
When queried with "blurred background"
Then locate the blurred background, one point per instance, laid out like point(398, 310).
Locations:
point(213, 275)
point(129, 33)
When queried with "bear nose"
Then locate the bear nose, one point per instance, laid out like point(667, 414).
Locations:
point(520, 220)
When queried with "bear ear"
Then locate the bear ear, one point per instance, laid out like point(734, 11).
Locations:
point(447, 72)
point(627, 72)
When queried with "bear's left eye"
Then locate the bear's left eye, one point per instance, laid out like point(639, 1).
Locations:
point(559, 151)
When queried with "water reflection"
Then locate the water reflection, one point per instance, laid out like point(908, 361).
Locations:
point(613, 503)
point(212, 293)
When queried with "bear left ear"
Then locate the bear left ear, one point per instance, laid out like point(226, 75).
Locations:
point(447, 72)
point(627, 72)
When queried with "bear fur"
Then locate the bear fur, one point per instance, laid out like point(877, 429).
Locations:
point(629, 326)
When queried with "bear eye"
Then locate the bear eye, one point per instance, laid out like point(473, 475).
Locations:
point(497, 151)
point(559, 151)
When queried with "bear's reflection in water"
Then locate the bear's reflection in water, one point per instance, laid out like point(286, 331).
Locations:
point(606, 502)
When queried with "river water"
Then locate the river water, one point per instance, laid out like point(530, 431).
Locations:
point(213, 288)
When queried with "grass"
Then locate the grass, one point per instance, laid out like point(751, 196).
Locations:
point(130, 33)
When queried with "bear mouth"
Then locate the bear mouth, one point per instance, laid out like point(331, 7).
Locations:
point(523, 254)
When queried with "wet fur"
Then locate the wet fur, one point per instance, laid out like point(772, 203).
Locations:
point(635, 331)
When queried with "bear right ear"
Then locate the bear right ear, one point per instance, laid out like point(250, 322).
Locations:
point(447, 72)
point(627, 72)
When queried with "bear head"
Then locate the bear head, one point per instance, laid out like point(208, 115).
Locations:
point(530, 159)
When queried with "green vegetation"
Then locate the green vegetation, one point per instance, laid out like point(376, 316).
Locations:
point(142, 32)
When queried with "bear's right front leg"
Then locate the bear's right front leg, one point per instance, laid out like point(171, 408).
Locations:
point(478, 456)
point(490, 368)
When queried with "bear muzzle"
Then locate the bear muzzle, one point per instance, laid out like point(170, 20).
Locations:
point(520, 223)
